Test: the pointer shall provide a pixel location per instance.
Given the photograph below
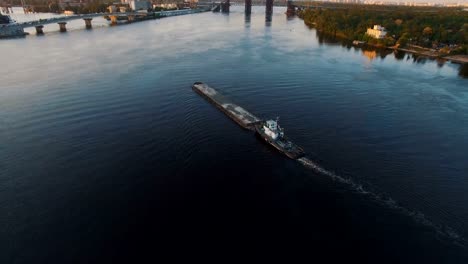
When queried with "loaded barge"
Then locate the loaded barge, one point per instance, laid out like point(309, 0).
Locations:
point(241, 116)
point(268, 130)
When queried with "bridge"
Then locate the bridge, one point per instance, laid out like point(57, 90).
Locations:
point(62, 21)
point(17, 29)
point(224, 6)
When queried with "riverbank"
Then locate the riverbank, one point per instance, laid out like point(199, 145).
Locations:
point(433, 32)
point(461, 59)
point(417, 50)
point(420, 51)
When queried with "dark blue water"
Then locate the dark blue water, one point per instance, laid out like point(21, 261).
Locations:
point(106, 154)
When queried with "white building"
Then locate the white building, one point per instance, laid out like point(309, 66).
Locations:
point(377, 32)
point(136, 5)
point(171, 5)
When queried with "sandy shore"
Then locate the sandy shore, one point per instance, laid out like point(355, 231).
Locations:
point(434, 54)
point(428, 53)
point(458, 58)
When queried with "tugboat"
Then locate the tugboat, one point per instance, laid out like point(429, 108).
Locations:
point(272, 133)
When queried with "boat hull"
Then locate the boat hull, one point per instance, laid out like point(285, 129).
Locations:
point(283, 145)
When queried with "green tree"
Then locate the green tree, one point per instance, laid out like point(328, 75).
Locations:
point(403, 40)
point(427, 31)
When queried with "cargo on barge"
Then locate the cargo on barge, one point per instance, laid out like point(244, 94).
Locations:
point(241, 116)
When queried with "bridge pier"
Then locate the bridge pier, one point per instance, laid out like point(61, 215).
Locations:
point(225, 6)
point(39, 30)
point(269, 8)
point(291, 11)
point(247, 20)
point(62, 26)
point(113, 20)
point(248, 7)
point(88, 23)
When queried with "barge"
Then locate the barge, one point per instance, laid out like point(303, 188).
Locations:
point(241, 116)
point(268, 130)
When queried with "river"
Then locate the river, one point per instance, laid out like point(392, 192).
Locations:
point(107, 154)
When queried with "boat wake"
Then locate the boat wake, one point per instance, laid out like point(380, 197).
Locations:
point(443, 231)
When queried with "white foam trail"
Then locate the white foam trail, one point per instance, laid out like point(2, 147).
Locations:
point(389, 202)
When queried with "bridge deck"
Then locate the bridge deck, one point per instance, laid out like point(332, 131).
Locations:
point(84, 16)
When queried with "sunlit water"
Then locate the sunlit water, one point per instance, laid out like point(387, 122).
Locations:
point(104, 147)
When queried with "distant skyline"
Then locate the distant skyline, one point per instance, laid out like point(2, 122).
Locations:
point(420, 1)
point(429, 1)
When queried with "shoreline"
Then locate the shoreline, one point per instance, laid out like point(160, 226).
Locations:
point(458, 58)
point(461, 59)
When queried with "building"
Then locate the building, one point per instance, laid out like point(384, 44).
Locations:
point(136, 5)
point(112, 8)
point(167, 6)
point(377, 32)
point(72, 3)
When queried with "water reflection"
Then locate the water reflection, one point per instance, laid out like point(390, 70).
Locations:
point(463, 72)
point(290, 17)
point(383, 53)
point(419, 59)
point(370, 54)
point(268, 18)
point(326, 39)
point(399, 55)
point(247, 20)
point(440, 62)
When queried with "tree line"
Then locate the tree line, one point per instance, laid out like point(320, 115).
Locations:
point(53, 6)
point(92, 6)
point(427, 27)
